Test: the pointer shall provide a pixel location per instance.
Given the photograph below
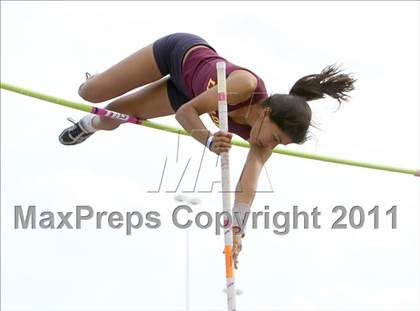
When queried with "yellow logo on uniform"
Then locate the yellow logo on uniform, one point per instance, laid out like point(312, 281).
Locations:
point(211, 83)
point(215, 118)
point(213, 115)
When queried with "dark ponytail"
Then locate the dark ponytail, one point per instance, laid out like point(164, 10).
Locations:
point(330, 81)
point(292, 113)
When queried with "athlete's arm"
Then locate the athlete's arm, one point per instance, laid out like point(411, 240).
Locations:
point(247, 184)
point(239, 87)
point(246, 187)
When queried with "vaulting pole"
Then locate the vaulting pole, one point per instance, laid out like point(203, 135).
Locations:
point(172, 129)
point(223, 117)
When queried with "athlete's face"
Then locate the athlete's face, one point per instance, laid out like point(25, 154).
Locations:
point(265, 133)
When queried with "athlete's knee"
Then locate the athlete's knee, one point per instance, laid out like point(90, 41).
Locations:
point(92, 91)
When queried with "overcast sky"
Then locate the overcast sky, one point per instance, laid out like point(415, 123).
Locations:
point(48, 46)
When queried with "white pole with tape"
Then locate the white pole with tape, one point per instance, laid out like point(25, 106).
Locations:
point(223, 119)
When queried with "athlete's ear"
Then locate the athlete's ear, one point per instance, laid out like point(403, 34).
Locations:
point(265, 112)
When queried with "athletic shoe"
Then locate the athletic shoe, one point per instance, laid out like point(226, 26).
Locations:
point(74, 134)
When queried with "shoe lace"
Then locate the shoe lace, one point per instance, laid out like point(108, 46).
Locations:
point(72, 120)
point(78, 129)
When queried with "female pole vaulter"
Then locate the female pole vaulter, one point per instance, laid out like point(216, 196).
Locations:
point(178, 72)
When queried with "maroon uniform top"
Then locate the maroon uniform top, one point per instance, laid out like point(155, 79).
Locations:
point(199, 74)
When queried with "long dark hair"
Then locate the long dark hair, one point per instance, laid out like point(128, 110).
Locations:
point(292, 113)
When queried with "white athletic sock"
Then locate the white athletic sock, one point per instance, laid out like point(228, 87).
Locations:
point(87, 121)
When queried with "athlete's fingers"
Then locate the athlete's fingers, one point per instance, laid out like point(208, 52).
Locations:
point(223, 133)
point(222, 145)
point(235, 259)
point(221, 140)
point(223, 136)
